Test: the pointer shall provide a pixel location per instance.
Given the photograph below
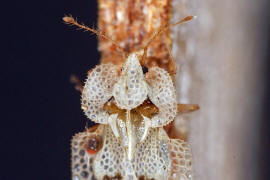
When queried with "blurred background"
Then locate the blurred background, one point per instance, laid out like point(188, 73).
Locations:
point(223, 61)
point(227, 49)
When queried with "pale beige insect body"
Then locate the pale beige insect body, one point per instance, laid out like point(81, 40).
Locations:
point(132, 106)
point(131, 147)
point(158, 157)
point(131, 88)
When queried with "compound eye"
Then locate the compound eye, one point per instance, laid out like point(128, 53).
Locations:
point(94, 144)
point(144, 69)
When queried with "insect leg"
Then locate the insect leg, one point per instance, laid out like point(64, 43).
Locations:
point(183, 108)
point(77, 82)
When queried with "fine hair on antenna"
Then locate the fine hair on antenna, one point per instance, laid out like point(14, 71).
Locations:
point(68, 19)
point(160, 31)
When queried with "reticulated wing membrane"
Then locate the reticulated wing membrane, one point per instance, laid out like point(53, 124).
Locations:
point(158, 157)
point(162, 94)
point(181, 158)
point(97, 91)
point(82, 161)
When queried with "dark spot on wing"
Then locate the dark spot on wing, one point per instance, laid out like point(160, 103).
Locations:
point(144, 178)
point(117, 177)
point(94, 144)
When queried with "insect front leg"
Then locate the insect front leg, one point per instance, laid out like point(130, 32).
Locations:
point(77, 82)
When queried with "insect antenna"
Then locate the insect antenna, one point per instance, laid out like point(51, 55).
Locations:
point(172, 66)
point(160, 31)
point(73, 22)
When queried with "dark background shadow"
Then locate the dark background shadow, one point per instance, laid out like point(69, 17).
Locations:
point(40, 109)
point(264, 156)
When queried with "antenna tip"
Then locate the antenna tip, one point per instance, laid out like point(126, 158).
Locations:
point(68, 19)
